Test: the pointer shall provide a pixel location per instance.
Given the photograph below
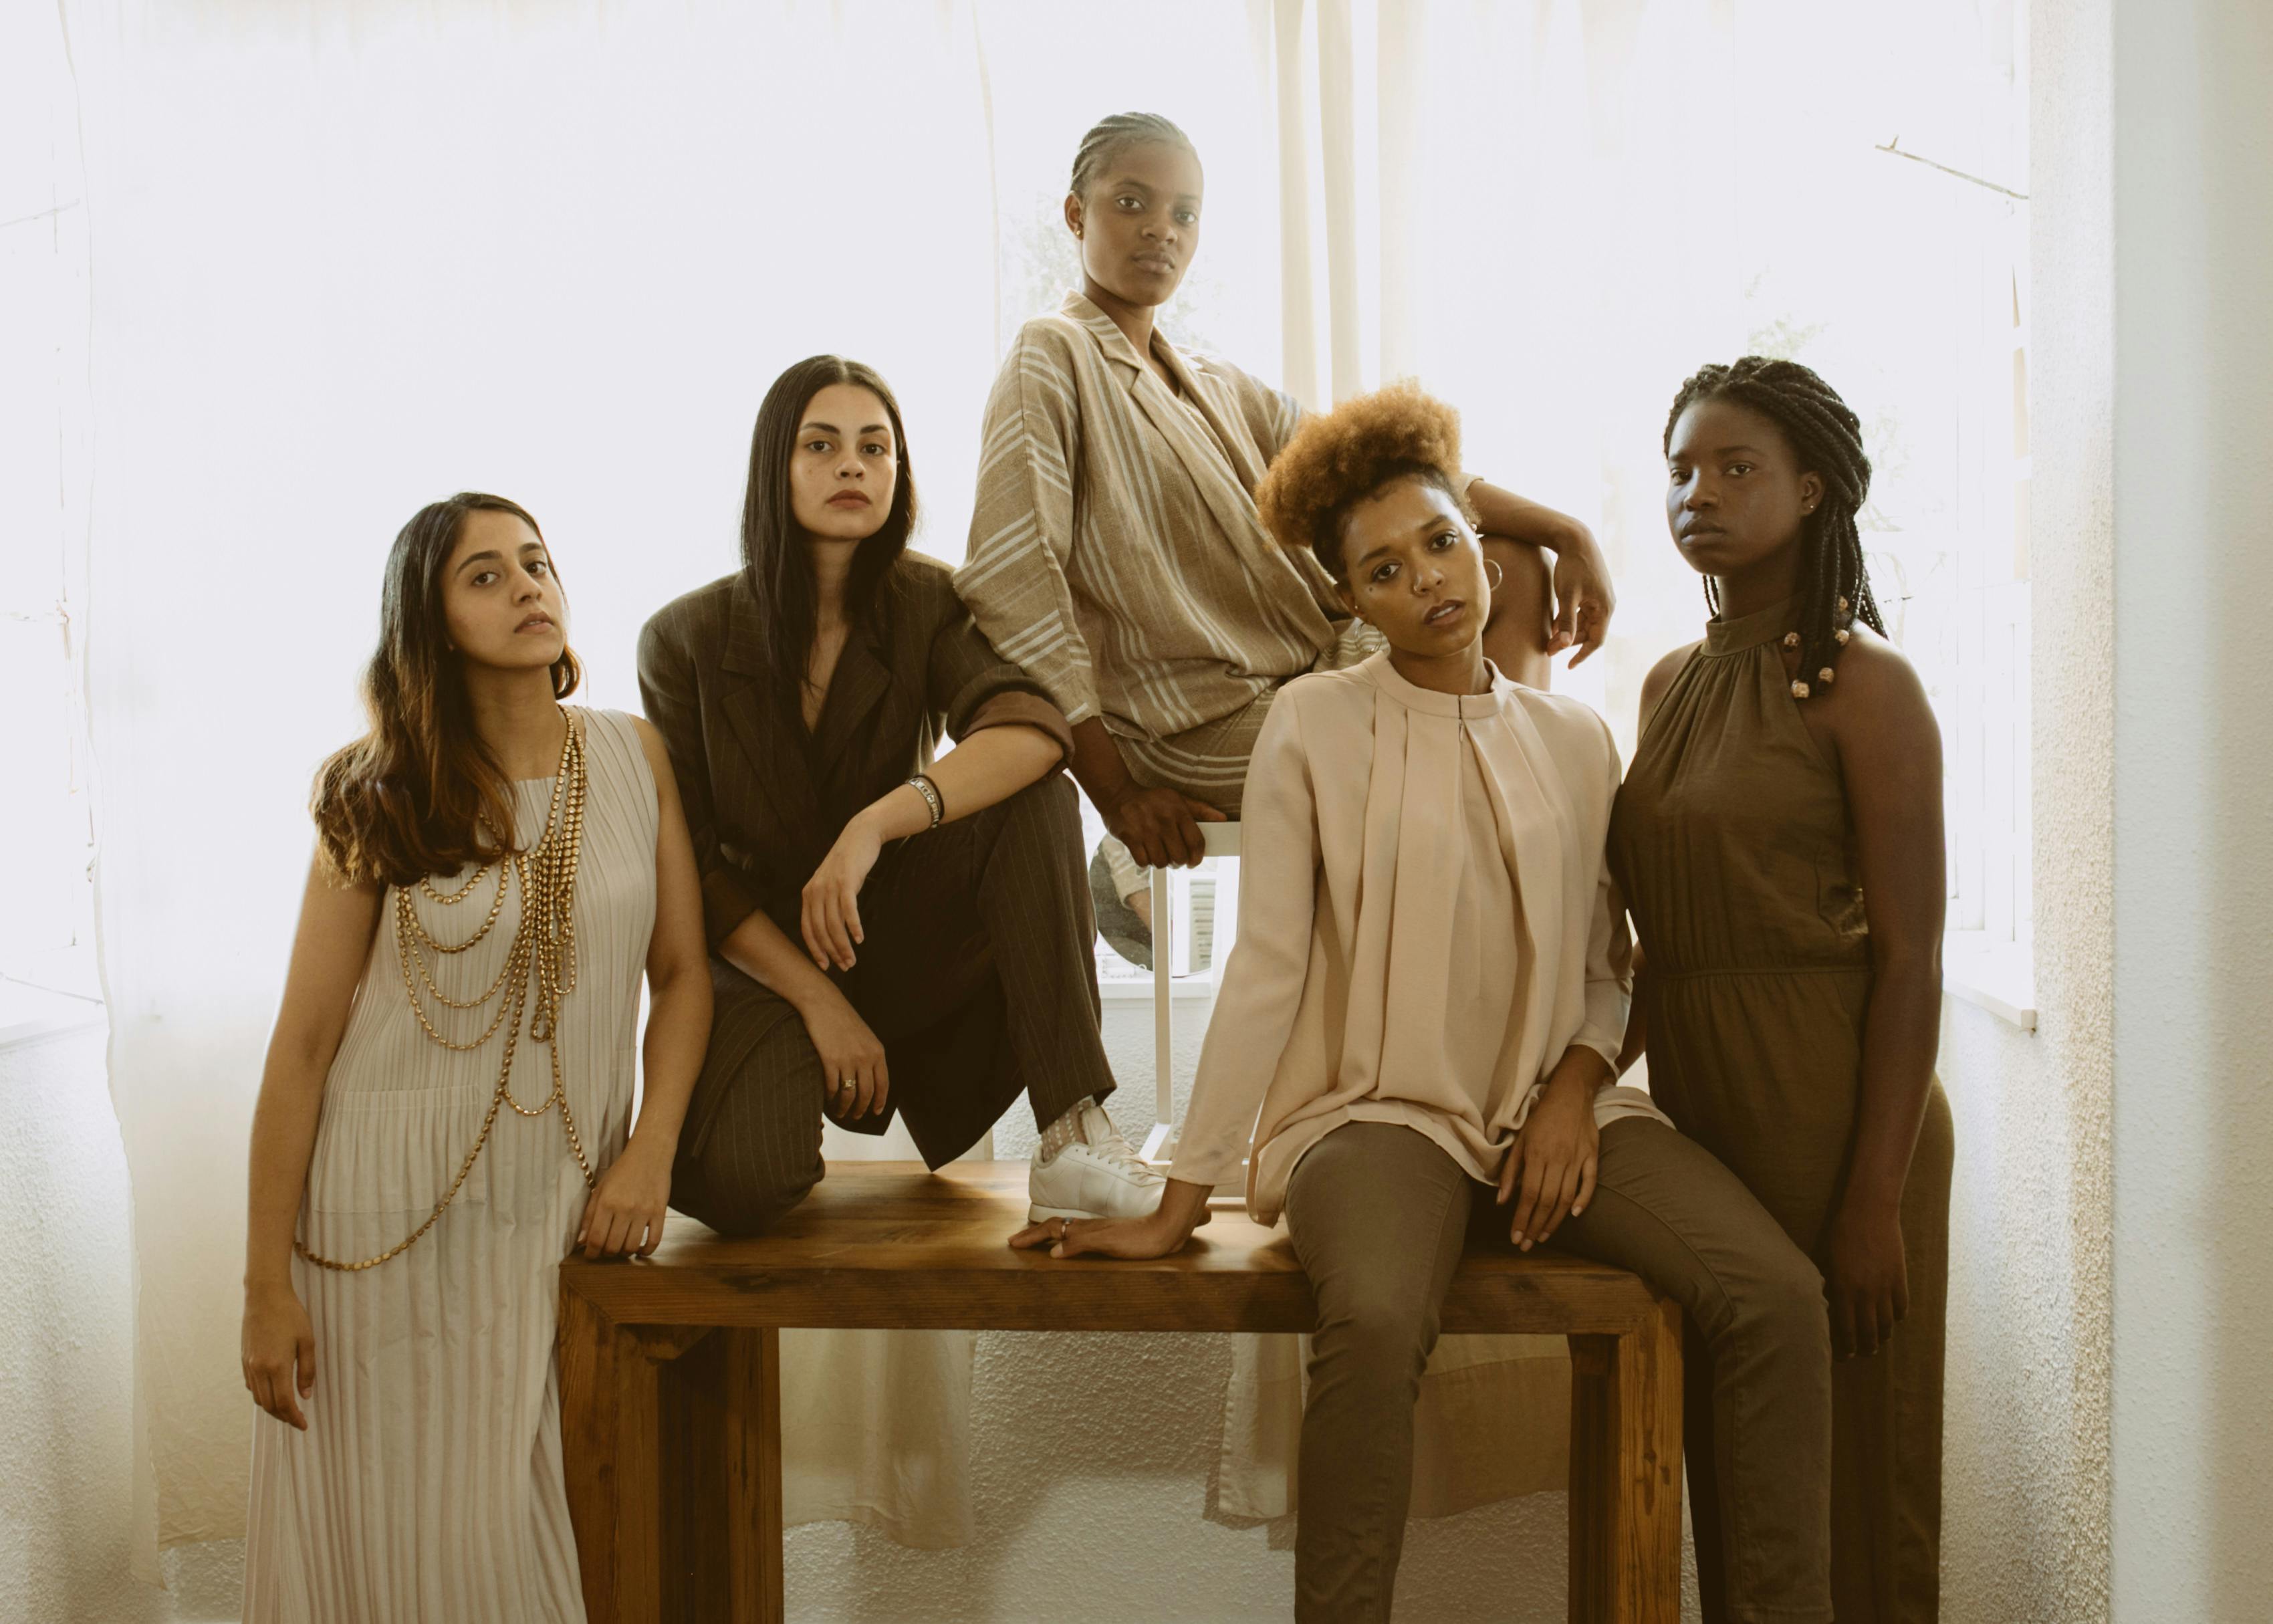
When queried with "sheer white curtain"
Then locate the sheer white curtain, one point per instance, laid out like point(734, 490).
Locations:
point(348, 259)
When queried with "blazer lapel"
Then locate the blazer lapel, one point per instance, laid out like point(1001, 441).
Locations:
point(1211, 465)
point(771, 761)
point(856, 688)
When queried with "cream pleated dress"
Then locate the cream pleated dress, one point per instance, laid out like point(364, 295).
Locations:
point(428, 1486)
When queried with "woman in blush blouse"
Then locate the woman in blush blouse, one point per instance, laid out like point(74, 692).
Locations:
point(1426, 1006)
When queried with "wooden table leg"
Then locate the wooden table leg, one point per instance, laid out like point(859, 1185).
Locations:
point(721, 1481)
point(1625, 1474)
point(608, 1423)
point(754, 1477)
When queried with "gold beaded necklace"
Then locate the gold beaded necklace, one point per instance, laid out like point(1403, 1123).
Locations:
point(544, 950)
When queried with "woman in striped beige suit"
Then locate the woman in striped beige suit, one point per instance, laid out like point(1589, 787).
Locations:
point(1115, 555)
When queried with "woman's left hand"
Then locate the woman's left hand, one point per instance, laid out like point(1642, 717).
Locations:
point(1867, 1277)
point(1584, 600)
point(831, 913)
point(1549, 1170)
point(625, 1211)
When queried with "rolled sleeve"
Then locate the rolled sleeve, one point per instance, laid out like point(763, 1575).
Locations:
point(973, 687)
point(1015, 708)
point(1013, 579)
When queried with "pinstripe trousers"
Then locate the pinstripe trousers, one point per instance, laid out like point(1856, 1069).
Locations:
point(976, 974)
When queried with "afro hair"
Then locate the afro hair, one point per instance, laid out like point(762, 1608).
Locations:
point(1338, 458)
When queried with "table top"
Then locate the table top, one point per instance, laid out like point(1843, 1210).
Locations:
point(887, 1244)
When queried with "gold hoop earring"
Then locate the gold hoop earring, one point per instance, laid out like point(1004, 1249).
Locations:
point(1497, 574)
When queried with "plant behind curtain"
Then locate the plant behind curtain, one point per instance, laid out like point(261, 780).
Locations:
point(348, 259)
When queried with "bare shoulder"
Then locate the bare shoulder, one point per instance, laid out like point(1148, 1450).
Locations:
point(1660, 675)
point(658, 756)
point(1878, 682)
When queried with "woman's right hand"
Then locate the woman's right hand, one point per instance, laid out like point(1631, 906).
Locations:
point(1155, 1237)
point(1182, 1209)
point(279, 1347)
point(848, 1049)
point(1160, 826)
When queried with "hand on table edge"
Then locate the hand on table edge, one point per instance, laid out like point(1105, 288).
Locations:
point(1184, 1208)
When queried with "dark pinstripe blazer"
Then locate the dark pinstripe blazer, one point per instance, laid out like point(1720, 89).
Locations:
point(764, 799)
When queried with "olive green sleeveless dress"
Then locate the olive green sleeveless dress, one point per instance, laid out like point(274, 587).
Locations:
point(1732, 841)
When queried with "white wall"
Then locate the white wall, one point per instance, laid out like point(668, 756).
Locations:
point(66, 1338)
point(2194, 803)
point(2025, 1517)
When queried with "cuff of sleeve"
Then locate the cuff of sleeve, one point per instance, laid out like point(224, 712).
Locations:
point(1608, 1047)
point(726, 902)
point(1014, 708)
point(1204, 1168)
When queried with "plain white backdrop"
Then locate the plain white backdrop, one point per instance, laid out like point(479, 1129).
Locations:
point(292, 270)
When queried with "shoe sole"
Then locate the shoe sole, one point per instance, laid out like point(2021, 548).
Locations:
point(1035, 1214)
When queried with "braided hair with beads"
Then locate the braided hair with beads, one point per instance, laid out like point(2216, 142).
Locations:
point(1108, 136)
point(1835, 586)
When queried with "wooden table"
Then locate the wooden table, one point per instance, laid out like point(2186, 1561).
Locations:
point(671, 1386)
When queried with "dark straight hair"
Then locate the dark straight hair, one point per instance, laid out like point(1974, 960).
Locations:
point(774, 554)
point(419, 794)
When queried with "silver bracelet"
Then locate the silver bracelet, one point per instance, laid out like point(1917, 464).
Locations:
point(929, 791)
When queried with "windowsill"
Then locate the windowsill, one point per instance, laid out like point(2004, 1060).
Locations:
point(29, 1013)
point(1129, 989)
point(1999, 976)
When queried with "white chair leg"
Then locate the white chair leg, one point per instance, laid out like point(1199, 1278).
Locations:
point(1160, 1142)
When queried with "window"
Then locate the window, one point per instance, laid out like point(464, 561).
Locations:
point(46, 900)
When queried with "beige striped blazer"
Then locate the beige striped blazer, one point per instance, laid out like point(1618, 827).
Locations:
point(1115, 555)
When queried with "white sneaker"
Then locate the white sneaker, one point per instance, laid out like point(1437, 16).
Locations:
point(1104, 1178)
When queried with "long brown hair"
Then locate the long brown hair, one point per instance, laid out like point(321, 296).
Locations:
point(774, 553)
point(420, 793)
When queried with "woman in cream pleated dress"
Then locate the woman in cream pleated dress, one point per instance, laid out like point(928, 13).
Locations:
point(1427, 1001)
point(444, 1110)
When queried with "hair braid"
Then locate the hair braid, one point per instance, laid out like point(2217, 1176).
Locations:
point(1834, 583)
point(1108, 136)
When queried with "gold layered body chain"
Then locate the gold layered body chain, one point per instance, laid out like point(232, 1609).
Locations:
point(540, 969)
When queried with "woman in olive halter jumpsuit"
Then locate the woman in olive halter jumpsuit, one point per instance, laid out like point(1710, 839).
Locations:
point(1789, 767)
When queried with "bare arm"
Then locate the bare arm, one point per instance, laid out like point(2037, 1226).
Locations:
point(1637, 1039)
point(1890, 756)
point(1585, 600)
point(626, 1211)
point(1653, 689)
point(329, 950)
point(1157, 825)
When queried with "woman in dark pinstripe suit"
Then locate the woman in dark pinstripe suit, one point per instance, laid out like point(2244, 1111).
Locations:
point(887, 933)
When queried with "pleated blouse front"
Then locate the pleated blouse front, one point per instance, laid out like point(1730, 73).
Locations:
point(1426, 925)
point(428, 1485)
